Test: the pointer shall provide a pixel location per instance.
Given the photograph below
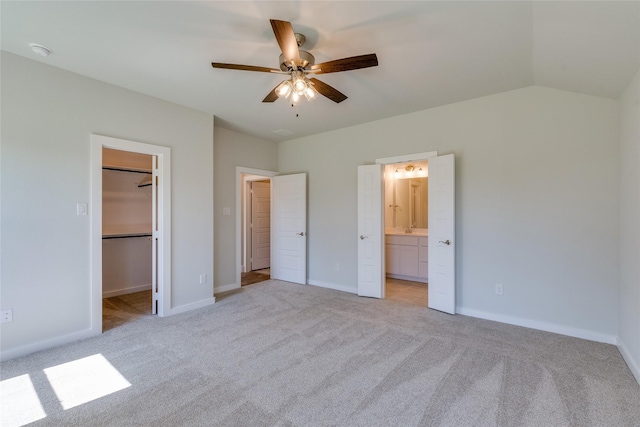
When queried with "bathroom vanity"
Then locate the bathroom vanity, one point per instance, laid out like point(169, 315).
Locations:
point(407, 254)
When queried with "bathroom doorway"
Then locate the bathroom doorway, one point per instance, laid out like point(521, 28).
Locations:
point(406, 224)
point(439, 240)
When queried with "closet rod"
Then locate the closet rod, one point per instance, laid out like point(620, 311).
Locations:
point(126, 236)
point(125, 170)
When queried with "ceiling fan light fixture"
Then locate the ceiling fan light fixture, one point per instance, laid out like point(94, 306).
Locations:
point(284, 89)
point(310, 93)
point(295, 97)
point(300, 85)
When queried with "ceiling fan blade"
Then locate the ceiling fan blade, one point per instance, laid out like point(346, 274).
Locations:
point(244, 67)
point(346, 64)
point(287, 40)
point(328, 91)
point(272, 96)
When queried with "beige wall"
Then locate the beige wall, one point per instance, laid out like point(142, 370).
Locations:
point(234, 149)
point(536, 199)
point(48, 115)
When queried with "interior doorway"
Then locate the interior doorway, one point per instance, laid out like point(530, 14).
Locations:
point(248, 243)
point(157, 228)
point(256, 229)
point(406, 226)
point(127, 238)
point(439, 242)
point(288, 225)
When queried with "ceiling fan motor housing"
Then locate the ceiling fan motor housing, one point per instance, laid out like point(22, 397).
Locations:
point(306, 59)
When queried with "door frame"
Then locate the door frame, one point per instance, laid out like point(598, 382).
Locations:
point(240, 215)
point(407, 158)
point(164, 222)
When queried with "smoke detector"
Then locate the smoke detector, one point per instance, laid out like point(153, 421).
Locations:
point(39, 49)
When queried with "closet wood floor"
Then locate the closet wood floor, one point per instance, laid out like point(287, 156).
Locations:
point(414, 293)
point(119, 310)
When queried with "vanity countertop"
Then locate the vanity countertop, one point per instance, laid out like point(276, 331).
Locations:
point(420, 232)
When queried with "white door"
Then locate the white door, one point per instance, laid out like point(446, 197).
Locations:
point(289, 228)
point(371, 269)
point(260, 225)
point(442, 282)
point(155, 289)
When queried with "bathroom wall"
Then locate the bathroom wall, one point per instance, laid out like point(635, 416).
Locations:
point(397, 206)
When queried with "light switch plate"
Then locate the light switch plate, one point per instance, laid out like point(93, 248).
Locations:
point(81, 208)
point(226, 211)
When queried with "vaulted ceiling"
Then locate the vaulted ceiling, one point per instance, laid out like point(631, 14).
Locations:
point(430, 53)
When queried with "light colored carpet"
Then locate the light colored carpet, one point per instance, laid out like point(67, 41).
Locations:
point(280, 354)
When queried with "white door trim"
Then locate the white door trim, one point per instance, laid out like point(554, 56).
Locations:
point(240, 170)
point(164, 222)
point(406, 158)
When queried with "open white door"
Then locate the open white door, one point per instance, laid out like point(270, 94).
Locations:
point(371, 269)
point(289, 228)
point(442, 282)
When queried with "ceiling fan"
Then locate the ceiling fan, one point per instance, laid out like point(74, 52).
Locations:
point(298, 64)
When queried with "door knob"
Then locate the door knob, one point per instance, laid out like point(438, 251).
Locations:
point(362, 237)
point(446, 242)
point(300, 233)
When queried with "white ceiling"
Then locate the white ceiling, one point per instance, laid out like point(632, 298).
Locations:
point(431, 53)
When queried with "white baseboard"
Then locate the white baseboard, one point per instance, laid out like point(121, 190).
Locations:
point(332, 286)
point(124, 291)
point(413, 279)
point(46, 344)
point(225, 288)
point(541, 326)
point(633, 364)
point(192, 306)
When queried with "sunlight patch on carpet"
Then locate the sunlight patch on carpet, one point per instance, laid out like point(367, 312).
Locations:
point(84, 380)
point(20, 404)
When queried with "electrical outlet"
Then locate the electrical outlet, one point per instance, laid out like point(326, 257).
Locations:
point(6, 315)
point(203, 278)
point(337, 266)
point(498, 289)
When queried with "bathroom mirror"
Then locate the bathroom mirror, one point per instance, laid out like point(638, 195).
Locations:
point(411, 202)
